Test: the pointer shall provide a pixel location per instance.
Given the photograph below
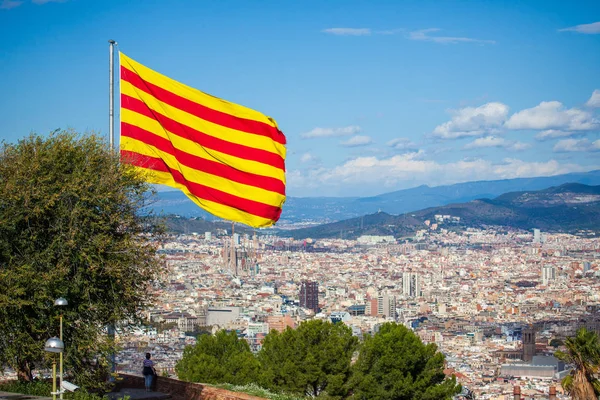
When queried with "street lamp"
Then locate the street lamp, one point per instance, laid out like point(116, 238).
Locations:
point(60, 302)
point(54, 345)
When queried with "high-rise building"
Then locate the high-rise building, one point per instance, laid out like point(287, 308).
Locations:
point(411, 285)
point(528, 343)
point(207, 235)
point(548, 274)
point(537, 236)
point(309, 295)
point(386, 306)
point(417, 285)
point(406, 283)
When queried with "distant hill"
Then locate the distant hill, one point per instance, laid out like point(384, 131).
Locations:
point(326, 209)
point(565, 208)
point(200, 226)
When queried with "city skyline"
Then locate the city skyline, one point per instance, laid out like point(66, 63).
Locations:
point(372, 97)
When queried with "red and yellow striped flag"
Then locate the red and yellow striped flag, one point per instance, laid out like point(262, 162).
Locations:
point(229, 159)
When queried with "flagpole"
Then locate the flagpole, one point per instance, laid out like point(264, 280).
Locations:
point(111, 141)
point(111, 94)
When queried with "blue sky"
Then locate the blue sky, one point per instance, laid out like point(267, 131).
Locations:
point(373, 96)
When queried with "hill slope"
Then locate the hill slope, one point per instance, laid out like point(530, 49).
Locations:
point(325, 209)
point(566, 208)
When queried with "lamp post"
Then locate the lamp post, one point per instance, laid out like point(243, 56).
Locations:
point(60, 302)
point(54, 345)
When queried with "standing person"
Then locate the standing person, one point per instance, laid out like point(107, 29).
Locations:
point(148, 372)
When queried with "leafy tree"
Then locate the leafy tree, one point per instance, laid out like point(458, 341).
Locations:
point(162, 326)
point(222, 358)
point(395, 364)
point(583, 353)
point(70, 227)
point(556, 343)
point(312, 360)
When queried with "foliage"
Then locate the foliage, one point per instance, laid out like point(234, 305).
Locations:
point(315, 361)
point(255, 390)
point(69, 227)
point(222, 358)
point(395, 364)
point(556, 343)
point(33, 388)
point(44, 389)
point(311, 360)
point(162, 326)
point(583, 353)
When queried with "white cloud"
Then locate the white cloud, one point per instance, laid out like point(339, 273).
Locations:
point(518, 146)
point(309, 158)
point(552, 115)
point(358, 140)
point(372, 175)
point(389, 31)
point(402, 144)
point(473, 121)
point(348, 31)
point(488, 141)
point(360, 31)
point(594, 101)
point(423, 34)
point(590, 29)
point(572, 145)
point(8, 4)
point(331, 132)
point(494, 141)
point(553, 134)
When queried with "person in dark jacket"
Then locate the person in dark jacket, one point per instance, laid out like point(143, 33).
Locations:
point(148, 372)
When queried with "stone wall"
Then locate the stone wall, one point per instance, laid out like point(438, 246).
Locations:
point(180, 390)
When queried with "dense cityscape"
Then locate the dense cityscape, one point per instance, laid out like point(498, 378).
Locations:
point(496, 302)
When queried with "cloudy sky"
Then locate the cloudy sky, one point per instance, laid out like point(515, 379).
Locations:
point(373, 96)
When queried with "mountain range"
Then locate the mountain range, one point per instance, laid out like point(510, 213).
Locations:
point(566, 208)
point(329, 209)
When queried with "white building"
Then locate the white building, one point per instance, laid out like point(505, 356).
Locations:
point(411, 284)
point(548, 274)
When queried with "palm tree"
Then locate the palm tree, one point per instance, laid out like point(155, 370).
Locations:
point(583, 353)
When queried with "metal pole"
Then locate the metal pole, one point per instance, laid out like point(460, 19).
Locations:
point(61, 362)
point(111, 94)
point(111, 130)
point(54, 380)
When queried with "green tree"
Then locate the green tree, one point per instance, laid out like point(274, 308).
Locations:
point(70, 227)
point(583, 354)
point(395, 364)
point(312, 360)
point(222, 358)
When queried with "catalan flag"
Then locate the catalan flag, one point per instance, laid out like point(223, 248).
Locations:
point(228, 159)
